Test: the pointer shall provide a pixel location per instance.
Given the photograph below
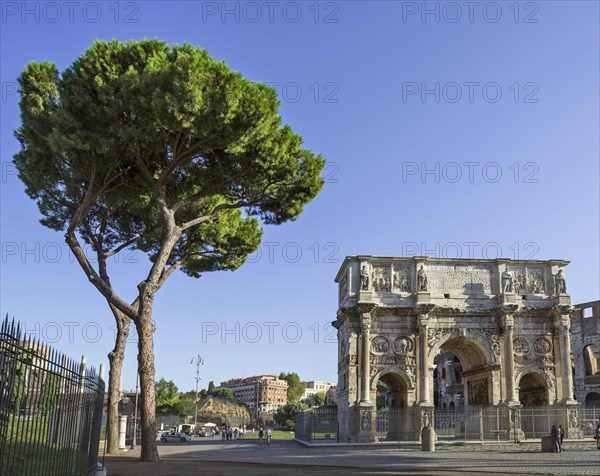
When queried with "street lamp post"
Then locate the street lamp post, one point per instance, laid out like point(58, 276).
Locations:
point(199, 361)
point(137, 381)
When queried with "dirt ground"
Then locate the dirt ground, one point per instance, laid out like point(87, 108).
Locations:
point(131, 466)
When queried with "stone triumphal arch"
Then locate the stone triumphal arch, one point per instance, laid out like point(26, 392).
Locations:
point(507, 322)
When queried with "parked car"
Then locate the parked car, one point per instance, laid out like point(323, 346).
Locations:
point(172, 436)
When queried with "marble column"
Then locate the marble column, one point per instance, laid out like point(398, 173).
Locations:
point(509, 375)
point(423, 365)
point(365, 365)
point(563, 323)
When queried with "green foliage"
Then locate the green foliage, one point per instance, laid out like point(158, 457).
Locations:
point(381, 395)
point(186, 405)
point(48, 395)
point(130, 126)
point(286, 414)
point(319, 399)
point(295, 386)
point(211, 387)
point(24, 366)
point(166, 396)
point(221, 392)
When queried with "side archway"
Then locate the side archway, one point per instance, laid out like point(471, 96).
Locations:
point(534, 387)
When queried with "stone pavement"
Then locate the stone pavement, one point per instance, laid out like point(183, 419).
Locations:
point(289, 457)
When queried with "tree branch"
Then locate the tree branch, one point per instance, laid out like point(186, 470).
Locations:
point(95, 279)
point(193, 198)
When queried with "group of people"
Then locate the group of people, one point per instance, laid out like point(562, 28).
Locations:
point(262, 434)
point(229, 434)
point(558, 435)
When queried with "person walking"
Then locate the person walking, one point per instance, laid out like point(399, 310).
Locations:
point(269, 434)
point(260, 436)
point(561, 435)
point(555, 439)
point(597, 436)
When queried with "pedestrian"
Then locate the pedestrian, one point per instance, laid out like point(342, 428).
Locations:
point(269, 434)
point(555, 439)
point(260, 436)
point(561, 435)
point(223, 433)
point(597, 436)
point(235, 434)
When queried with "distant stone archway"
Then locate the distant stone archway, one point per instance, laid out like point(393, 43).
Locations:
point(590, 361)
point(507, 321)
point(592, 399)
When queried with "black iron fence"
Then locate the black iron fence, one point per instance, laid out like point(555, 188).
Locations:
point(50, 409)
point(480, 422)
point(487, 423)
point(318, 424)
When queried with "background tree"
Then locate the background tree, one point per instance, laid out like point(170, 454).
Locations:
point(186, 404)
point(162, 149)
point(222, 392)
point(319, 399)
point(286, 414)
point(211, 387)
point(167, 396)
point(295, 386)
point(48, 394)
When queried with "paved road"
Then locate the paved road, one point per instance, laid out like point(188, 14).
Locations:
point(287, 457)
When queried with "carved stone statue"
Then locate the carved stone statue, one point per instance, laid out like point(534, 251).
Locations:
point(517, 286)
point(507, 281)
point(365, 421)
point(404, 287)
point(364, 278)
point(422, 279)
point(536, 283)
point(560, 285)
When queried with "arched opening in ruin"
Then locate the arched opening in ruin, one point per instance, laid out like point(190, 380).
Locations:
point(590, 360)
point(448, 386)
point(533, 390)
point(592, 399)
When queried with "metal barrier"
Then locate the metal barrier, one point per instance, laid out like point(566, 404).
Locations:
point(50, 409)
point(485, 423)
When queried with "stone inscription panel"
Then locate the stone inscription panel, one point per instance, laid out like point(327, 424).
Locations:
point(461, 279)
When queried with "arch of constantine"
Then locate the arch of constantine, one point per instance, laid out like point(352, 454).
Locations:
point(507, 321)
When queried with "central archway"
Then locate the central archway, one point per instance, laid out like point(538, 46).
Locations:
point(473, 367)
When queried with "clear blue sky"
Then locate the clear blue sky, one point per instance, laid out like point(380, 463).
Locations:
point(385, 91)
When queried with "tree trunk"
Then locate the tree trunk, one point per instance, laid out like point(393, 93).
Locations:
point(114, 380)
point(145, 329)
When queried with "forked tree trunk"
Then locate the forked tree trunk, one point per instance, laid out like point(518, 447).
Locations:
point(115, 358)
point(145, 330)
